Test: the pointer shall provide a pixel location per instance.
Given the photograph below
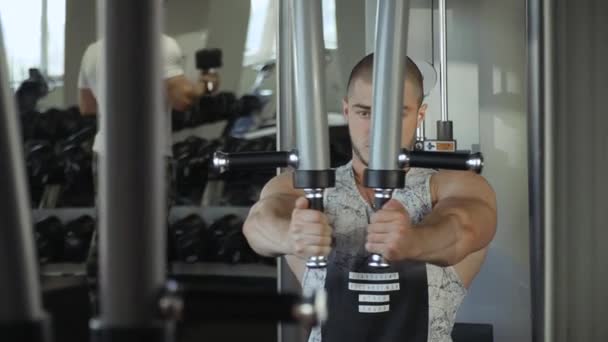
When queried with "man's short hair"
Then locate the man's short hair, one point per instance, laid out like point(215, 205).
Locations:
point(363, 70)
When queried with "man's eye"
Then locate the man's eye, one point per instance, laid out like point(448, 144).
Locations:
point(365, 114)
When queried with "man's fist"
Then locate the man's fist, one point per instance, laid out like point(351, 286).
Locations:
point(390, 233)
point(309, 231)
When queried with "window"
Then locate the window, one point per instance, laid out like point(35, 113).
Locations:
point(257, 22)
point(330, 34)
point(262, 30)
point(34, 37)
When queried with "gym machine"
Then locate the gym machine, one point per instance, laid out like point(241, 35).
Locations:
point(445, 141)
point(388, 161)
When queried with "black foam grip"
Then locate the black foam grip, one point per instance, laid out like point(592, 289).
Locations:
point(441, 160)
point(258, 160)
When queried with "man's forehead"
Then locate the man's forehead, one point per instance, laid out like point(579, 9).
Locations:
point(362, 88)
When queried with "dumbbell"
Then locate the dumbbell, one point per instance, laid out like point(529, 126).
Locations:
point(191, 169)
point(187, 238)
point(69, 122)
point(212, 108)
point(226, 234)
point(208, 61)
point(77, 239)
point(41, 164)
point(78, 189)
point(46, 125)
point(49, 239)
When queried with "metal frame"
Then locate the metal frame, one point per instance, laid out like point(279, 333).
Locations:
point(311, 115)
point(132, 208)
point(388, 83)
point(286, 141)
point(443, 59)
point(540, 158)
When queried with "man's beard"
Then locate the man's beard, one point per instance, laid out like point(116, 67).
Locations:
point(358, 153)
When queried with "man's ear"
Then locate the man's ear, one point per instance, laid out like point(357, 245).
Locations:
point(421, 114)
point(345, 108)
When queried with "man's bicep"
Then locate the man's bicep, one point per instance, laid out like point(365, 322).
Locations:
point(281, 185)
point(278, 197)
point(181, 93)
point(86, 101)
point(462, 184)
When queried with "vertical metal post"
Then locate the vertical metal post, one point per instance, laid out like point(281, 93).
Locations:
point(445, 127)
point(443, 60)
point(286, 137)
point(311, 118)
point(388, 83)
point(132, 204)
point(286, 140)
point(384, 173)
point(420, 134)
point(540, 157)
point(313, 174)
point(21, 315)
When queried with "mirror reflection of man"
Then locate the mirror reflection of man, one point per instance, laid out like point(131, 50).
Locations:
point(180, 92)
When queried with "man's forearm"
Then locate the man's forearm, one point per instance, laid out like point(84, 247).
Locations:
point(266, 228)
point(454, 229)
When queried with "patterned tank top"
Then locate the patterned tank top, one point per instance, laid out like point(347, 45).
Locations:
point(373, 295)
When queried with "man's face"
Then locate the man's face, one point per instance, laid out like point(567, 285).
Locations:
point(357, 111)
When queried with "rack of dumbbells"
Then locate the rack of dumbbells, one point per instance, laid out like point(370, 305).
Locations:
point(205, 242)
point(204, 226)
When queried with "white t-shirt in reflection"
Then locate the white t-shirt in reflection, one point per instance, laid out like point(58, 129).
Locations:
point(88, 78)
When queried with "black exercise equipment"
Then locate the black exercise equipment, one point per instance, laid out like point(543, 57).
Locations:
point(31, 91)
point(208, 61)
point(77, 239)
point(188, 239)
point(49, 239)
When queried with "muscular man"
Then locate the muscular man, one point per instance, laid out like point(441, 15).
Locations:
point(435, 233)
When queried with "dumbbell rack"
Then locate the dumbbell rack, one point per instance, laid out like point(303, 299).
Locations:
point(206, 269)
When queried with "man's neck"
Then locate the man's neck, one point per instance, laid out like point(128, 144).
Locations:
point(358, 168)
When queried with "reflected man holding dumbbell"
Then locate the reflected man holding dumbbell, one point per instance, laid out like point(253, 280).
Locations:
point(434, 232)
point(181, 93)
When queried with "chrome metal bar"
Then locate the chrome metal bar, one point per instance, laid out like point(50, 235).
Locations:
point(388, 83)
point(540, 159)
point(384, 172)
point(132, 204)
point(443, 59)
point(311, 116)
point(286, 132)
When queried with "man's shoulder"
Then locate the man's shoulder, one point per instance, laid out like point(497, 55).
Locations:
point(169, 44)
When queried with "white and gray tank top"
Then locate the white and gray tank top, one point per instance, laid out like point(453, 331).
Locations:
point(376, 294)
